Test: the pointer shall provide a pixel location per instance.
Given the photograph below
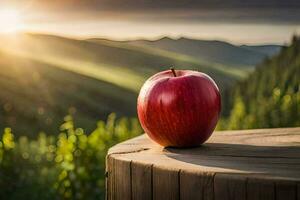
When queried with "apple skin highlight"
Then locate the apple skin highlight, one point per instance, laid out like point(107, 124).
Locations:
point(181, 110)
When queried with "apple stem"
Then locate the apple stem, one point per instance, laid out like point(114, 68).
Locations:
point(173, 71)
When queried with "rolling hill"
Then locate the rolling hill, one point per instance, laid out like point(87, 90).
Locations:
point(36, 96)
point(45, 77)
point(212, 51)
point(102, 60)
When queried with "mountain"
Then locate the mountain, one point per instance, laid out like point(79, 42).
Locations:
point(212, 51)
point(270, 97)
point(268, 50)
point(45, 77)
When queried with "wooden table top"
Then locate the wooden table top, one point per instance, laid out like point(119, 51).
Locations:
point(243, 165)
point(268, 153)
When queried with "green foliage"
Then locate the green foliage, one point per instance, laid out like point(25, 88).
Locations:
point(270, 97)
point(68, 166)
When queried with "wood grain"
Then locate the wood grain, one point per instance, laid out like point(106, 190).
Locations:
point(165, 184)
point(229, 187)
point(286, 190)
point(195, 185)
point(260, 189)
point(141, 181)
point(109, 172)
point(249, 164)
point(122, 180)
point(298, 191)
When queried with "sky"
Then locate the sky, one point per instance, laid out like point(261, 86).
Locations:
point(236, 21)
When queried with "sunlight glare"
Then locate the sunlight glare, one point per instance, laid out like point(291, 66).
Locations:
point(10, 21)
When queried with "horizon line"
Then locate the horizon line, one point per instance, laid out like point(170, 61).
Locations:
point(144, 38)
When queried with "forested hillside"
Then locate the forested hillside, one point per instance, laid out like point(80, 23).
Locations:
point(270, 97)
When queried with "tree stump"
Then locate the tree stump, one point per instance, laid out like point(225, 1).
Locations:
point(250, 164)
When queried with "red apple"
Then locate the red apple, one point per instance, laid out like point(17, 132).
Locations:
point(179, 108)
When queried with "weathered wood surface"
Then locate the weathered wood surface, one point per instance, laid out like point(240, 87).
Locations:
point(251, 164)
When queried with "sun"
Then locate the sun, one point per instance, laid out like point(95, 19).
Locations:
point(10, 21)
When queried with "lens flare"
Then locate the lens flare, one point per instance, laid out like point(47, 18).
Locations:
point(10, 21)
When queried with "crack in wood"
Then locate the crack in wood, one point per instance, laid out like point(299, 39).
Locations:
point(127, 152)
